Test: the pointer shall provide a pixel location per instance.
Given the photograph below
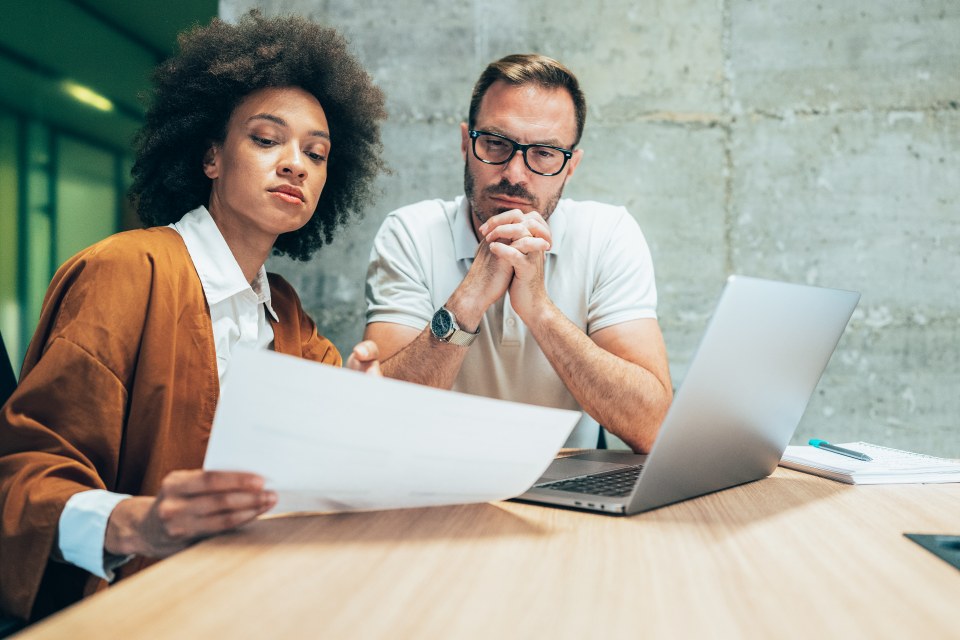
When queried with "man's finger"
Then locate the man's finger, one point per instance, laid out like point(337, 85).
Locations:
point(530, 245)
point(537, 226)
point(507, 252)
point(369, 366)
point(507, 217)
point(365, 358)
point(366, 351)
point(508, 233)
point(372, 368)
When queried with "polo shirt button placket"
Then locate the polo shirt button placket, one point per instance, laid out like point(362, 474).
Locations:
point(511, 324)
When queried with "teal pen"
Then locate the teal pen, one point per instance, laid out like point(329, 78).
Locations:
point(826, 446)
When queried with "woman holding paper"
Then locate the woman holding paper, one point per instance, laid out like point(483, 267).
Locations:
point(262, 137)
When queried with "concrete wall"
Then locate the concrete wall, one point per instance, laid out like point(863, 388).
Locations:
point(815, 143)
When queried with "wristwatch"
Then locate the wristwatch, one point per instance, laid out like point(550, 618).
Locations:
point(445, 328)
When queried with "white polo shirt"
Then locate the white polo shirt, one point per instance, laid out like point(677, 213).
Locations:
point(598, 272)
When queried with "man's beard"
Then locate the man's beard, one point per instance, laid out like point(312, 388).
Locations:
point(504, 188)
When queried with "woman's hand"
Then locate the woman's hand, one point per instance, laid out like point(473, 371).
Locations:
point(191, 505)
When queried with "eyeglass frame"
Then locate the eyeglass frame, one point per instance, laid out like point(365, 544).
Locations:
point(522, 148)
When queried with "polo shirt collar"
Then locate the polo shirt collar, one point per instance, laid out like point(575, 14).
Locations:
point(220, 275)
point(465, 242)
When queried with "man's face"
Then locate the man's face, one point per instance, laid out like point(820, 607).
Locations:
point(527, 114)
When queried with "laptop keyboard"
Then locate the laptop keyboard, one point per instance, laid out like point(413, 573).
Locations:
point(619, 482)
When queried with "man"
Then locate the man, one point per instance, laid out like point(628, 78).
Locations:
point(525, 296)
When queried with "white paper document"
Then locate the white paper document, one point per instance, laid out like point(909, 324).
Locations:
point(329, 439)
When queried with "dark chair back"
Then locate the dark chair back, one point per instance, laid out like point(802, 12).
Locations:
point(8, 380)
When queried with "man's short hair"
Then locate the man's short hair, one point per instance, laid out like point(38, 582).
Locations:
point(530, 68)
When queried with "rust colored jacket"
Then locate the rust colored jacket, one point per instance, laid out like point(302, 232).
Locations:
point(118, 388)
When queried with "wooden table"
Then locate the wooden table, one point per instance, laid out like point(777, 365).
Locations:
point(791, 556)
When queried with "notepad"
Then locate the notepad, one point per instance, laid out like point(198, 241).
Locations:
point(888, 466)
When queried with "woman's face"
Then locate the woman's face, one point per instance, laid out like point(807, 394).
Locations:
point(268, 173)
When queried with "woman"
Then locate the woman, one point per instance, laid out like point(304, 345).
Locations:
point(262, 136)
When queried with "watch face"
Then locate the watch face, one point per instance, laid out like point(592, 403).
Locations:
point(442, 323)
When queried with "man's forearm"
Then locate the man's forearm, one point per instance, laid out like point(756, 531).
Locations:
point(624, 397)
point(429, 361)
point(426, 361)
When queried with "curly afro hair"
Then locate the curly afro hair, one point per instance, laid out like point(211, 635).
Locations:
point(217, 66)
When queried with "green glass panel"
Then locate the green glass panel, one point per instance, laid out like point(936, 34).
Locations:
point(38, 259)
point(9, 234)
point(86, 196)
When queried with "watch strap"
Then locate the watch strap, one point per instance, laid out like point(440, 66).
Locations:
point(462, 338)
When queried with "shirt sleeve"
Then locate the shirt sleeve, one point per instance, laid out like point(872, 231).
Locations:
point(397, 288)
point(625, 287)
point(63, 427)
point(82, 532)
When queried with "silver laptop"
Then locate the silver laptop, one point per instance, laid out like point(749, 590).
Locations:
point(740, 402)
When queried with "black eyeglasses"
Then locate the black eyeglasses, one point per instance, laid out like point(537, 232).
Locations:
point(542, 159)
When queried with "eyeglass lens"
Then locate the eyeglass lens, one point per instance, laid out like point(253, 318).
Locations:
point(497, 150)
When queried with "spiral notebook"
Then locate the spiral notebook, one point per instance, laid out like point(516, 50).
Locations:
point(888, 466)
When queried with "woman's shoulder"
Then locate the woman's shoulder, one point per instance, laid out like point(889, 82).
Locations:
point(137, 251)
point(138, 258)
point(136, 245)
